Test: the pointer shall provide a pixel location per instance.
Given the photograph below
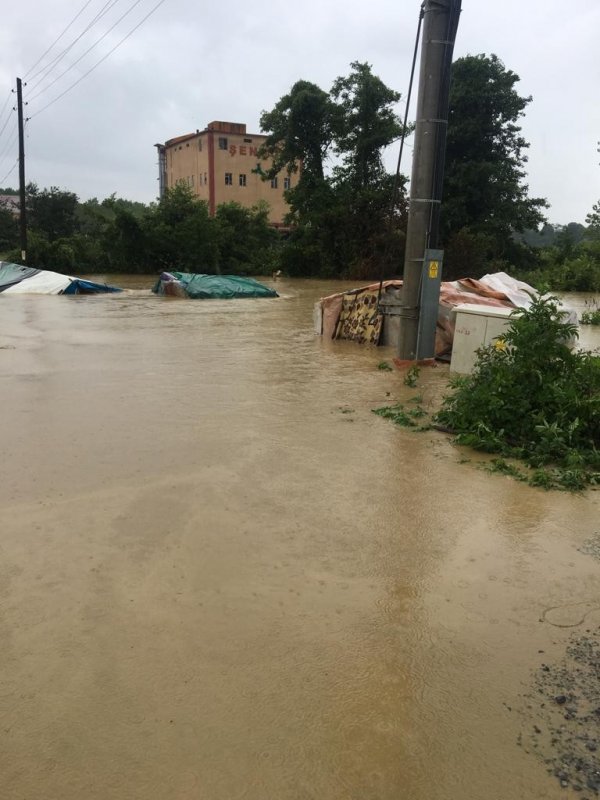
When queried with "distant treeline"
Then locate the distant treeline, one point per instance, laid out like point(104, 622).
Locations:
point(117, 235)
point(347, 216)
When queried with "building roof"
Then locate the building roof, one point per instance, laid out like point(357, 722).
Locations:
point(236, 128)
point(10, 202)
point(179, 139)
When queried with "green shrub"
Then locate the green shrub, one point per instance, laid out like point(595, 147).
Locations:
point(591, 317)
point(534, 399)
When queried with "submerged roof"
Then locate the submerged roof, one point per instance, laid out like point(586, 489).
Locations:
point(205, 287)
point(19, 279)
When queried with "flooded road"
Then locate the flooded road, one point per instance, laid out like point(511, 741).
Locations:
point(223, 578)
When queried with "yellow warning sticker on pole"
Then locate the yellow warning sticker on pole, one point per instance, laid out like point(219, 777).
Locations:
point(434, 267)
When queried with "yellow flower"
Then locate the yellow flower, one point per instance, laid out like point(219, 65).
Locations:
point(500, 344)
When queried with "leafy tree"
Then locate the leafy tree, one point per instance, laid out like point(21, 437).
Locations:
point(9, 229)
point(366, 124)
point(179, 233)
point(301, 127)
point(593, 221)
point(593, 218)
point(484, 189)
point(114, 204)
point(52, 212)
point(125, 243)
point(246, 242)
point(341, 216)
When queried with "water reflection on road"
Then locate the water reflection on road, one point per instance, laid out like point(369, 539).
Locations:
point(223, 577)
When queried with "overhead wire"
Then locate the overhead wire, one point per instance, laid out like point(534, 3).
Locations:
point(10, 171)
point(47, 70)
point(3, 128)
point(95, 44)
point(8, 145)
point(58, 38)
point(396, 185)
point(97, 64)
point(10, 91)
point(54, 63)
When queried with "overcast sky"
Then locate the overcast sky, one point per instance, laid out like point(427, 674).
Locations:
point(192, 62)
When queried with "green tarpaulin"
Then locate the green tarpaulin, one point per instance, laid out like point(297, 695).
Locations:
point(198, 286)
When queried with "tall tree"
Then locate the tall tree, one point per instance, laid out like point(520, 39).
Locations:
point(301, 129)
point(366, 124)
point(485, 195)
point(340, 213)
point(593, 218)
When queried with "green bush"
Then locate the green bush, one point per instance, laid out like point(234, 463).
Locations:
point(533, 398)
point(591, 317)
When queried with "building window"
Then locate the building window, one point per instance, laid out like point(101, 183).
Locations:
point(248, 141)
point(199, 144)
point(273, 183)
point(242, 180)
point(222, 143)
point(205, 181)
point(228, 179)
point(287, 183)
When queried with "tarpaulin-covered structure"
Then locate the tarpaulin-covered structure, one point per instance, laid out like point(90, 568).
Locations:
point(18, 279)
point(359, 315)
point(205, 287)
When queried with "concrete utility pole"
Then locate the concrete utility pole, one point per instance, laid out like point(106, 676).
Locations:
point(422, 262)
point(22, 217)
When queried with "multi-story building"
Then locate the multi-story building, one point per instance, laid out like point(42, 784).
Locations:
point(221, 164)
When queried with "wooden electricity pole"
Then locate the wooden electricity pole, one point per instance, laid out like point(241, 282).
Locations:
point(22, 218)
point(422, 261)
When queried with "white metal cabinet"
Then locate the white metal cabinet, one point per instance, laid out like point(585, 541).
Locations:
point(476, 326)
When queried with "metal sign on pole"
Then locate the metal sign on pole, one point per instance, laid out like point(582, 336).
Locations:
point(429, 302)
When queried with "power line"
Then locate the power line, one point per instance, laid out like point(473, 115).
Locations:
point(5, 104)
point(8, 146)
point(12, 169)
point(112, 50)
point(97, 42)
point(49, 67)
point(58, 38)
point(5, 124)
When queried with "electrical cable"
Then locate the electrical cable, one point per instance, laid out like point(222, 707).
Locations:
point(97, 42)
point(58, 38)
point(9, 144)
point(11, 170)
point(112, 50)
point(5, 104)
point(5, 124)
point(11, 139)
point(396, 186)
point(49, 67)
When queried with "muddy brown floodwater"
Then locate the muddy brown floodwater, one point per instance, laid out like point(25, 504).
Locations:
point(223, 578)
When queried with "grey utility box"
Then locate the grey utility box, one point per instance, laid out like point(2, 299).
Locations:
point(476, 326)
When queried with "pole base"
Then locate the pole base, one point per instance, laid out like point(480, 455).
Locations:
point(402, 363)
